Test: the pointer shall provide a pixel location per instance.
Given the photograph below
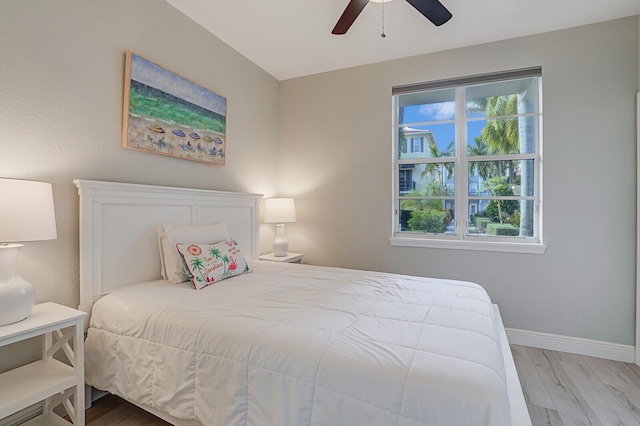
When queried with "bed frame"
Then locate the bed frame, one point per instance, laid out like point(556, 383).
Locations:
point(118, 229)
point(118, 246)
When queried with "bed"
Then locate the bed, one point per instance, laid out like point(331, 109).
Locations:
point(285, 343)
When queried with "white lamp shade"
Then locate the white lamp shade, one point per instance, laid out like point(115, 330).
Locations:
point(279, 210)
point(27, 212)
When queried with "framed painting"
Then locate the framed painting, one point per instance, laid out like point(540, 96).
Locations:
point(167, 114)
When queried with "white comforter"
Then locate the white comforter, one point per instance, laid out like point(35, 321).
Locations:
point(304, 345)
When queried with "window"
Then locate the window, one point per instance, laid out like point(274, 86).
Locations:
point(473, 148)
point(405, 180)
point(417, 145)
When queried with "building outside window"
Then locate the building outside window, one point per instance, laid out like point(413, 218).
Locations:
point(474, 151)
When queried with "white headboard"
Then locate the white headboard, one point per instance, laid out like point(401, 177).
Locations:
point(118, 229)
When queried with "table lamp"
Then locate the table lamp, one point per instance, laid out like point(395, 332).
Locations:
point(279, 211)
point(26, 214)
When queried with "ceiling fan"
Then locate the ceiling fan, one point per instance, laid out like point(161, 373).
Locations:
point(433, 10)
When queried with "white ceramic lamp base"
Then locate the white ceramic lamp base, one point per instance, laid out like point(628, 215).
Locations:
point(280, 244)
point(17, 296)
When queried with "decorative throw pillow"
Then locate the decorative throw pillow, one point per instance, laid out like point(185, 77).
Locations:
point(173, 269)
point(208, 264)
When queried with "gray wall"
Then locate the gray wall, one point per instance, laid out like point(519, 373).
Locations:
point(61, 94)
point(61, 83)
point(335, 158)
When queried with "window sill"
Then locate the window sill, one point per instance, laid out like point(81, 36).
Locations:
point(499, 246)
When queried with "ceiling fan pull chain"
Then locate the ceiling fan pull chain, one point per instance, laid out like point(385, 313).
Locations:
point(383, 35)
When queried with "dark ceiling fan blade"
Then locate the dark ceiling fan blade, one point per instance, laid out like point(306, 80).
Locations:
point(349, 16)
point(433, 10)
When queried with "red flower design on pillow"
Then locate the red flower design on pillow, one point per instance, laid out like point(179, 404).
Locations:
point(233, 265)
point(194, 250)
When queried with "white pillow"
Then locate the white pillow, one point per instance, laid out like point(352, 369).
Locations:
point(173, 269)
point(210, 263)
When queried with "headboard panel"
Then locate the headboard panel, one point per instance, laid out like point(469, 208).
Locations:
point(118, 229)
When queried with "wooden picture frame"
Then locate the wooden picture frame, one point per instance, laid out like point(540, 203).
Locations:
point(167, 114)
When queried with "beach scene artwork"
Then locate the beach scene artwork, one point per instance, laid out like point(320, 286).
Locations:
point(167, 114)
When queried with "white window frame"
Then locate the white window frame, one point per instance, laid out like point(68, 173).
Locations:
point(461, 240)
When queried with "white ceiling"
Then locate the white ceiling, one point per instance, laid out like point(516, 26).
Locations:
point(292, 38)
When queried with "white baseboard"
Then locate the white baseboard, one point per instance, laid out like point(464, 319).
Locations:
point(574, 345)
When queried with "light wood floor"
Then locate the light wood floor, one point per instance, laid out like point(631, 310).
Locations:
point(560, 389)
point(567, 389)
point(111, 410)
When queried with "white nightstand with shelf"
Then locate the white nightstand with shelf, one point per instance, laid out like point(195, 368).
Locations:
point(47, 380)
point(289, 258)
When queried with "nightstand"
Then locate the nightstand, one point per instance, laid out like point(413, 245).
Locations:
point(47, 380)
point(289, 258)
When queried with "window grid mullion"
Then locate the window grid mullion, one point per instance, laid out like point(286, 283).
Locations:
point(537, 188)
point(501, 117)
point(501, 157)
point(395, 213)
point(427, 160)
point(461, 167)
